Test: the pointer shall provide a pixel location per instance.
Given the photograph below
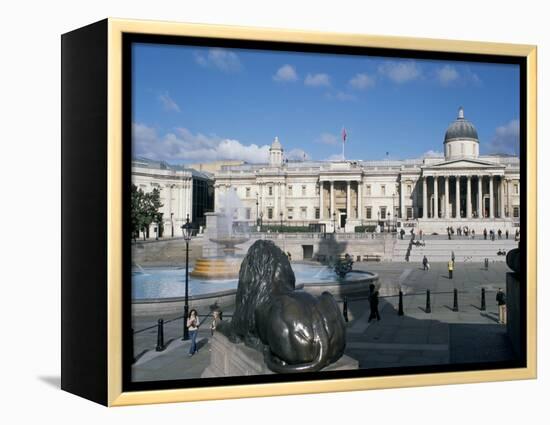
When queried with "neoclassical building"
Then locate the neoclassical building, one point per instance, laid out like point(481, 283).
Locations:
point(461, 188)
point(183, 191)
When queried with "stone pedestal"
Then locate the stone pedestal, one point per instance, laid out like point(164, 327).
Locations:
point(513, 313)
point(228, 359)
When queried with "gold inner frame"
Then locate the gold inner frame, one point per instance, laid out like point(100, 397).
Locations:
point(116, 28)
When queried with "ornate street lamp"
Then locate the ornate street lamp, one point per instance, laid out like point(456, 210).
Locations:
point(334, 222)
point(257, 210)
point(261, 220)
point(281, 215)
point(172, 223)
point(186, 228)
point(389, 222)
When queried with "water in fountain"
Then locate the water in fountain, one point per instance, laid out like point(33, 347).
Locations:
point(225, 264)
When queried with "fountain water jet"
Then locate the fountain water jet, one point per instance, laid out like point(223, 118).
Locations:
point(219, 228)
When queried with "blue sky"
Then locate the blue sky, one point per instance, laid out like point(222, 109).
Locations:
point(194, 104)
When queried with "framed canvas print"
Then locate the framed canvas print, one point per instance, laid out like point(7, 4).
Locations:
point(252, 212)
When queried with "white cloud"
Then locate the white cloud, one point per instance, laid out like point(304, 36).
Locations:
point(335, 157)
point(432, 154)
point(362, 81)
point(328, 139)
point(341, 96)
point(168, 103)
point(317, 80)
point(286, 73)
point(298, 155)
point(183, 145)
point(506, 138)
point(222, 59)
point(450, 75)
point(400, 72)
point(447, 75)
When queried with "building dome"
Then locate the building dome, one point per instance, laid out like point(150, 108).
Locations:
point(461, 140)
point(461, 129)
point(276, 153)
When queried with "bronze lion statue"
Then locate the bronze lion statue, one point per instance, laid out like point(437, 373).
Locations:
point(296, 331)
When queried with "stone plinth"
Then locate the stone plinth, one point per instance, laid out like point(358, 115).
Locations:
point(228, 359)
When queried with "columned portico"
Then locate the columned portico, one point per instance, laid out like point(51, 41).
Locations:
point(491, 198)
point(469, 197)
point(425, 197)
point(436, 199)
point(447, 202)
point(479, 196)
point(457, 196)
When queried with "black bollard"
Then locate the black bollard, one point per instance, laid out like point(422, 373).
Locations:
point(345, 309)
point(428, 304)
point(160, 336)
point(483, 305)
point(455, 300)
point(400, 311)
point(486, 264)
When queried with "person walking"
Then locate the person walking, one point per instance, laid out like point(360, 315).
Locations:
point(450, 267)
point(373, 303)
point(485, 233)
point(193, 324)
point(425, 263)
point(473, 234)
point(507, 233)
point(501, 302)
point(499, 234)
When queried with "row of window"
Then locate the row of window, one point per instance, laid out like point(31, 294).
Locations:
point(368, 189)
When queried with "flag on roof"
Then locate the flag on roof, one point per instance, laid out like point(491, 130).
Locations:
point(344, 135)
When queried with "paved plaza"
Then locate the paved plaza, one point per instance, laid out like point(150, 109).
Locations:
point(417, 338)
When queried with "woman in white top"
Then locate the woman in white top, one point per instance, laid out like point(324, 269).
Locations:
point(193, 326)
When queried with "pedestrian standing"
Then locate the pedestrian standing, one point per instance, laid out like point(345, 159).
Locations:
point(499, 234)
point(507, 233)
point(473, 234)
point(373, 303)
point(453, 257)
point(425, 262)
point(216, 319)
point(485, 233)
point(193, 324)
point(450, 268)
point(501, 302)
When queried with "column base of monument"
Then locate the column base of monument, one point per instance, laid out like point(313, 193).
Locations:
point(228, 359)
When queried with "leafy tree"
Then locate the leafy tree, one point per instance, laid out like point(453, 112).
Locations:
point(144, 210)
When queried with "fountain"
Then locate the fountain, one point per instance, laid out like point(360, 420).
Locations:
point(219, 226)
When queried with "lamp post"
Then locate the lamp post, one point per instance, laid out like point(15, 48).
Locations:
point(389, 222)
point(186, 228)
point(281, 215)
point(257, 212)
point(172, 223)
point(334, 222)
point(261, 220)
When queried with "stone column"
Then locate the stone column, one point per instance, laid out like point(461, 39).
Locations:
point(321, 200)
point(447, 203)
point(479, 196)
point(502, 183)
point(424, 197)
point(457, 196)
point(360, 199)
point(436, 198)
point(348, 200)
point(401, 200)
point(331, 199)
point(469, 197)
point(491, 198)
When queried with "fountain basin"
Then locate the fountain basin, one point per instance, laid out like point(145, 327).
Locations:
point(157, 290)
point(217, 268)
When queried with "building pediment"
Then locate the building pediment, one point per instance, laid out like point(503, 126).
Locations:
point(463, 163)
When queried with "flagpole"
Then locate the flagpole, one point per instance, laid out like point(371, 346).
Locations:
point(343, 144)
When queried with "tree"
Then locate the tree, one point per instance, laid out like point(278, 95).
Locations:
point(144, 210)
